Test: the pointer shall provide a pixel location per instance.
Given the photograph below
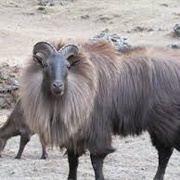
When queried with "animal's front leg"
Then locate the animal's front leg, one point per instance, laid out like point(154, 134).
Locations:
point(73, 164)
point(97, 163)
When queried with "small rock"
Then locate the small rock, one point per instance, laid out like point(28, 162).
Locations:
point(85, 16)
point(9, 85)
point(12, 172)
point(41, 8)
point(164, 4)
point(174, 46)
point(119, 42)
point(103, 19)
point(177, 30)
point(46, 2)
point(141, 29)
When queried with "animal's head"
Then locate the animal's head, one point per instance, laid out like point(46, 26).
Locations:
point(54, 65)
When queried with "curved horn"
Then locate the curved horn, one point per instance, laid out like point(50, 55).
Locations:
point(69, 50)
point(44, 48)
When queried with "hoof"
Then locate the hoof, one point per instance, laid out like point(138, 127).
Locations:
point(17, 157)
point(44, 157)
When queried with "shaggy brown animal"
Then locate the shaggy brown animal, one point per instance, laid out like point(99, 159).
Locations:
point(79, 96)
point(16, 125)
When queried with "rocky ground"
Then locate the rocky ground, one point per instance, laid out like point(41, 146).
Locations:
point(23, 23)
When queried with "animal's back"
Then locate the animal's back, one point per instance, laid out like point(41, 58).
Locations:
point(147, 93)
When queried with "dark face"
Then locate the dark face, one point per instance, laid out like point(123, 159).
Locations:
point(54, 65)
point(57, 71)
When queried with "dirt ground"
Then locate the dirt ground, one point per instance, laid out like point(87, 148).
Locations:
point(23, 23)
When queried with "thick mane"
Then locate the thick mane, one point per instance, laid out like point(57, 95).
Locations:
point(60, 119)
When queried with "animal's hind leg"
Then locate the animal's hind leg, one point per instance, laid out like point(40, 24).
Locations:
point(73, 164)
point(24, 140)
point(2, 145)
point(97, 163)
point(164, 154)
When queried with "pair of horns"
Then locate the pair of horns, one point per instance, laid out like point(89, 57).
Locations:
point(46, 49)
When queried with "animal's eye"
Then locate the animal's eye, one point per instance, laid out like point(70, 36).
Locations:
point(68, 65)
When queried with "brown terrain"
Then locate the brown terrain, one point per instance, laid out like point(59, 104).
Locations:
point(142, 22)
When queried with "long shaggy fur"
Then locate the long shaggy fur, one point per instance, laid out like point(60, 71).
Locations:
point(61, 120)
point(108, 92)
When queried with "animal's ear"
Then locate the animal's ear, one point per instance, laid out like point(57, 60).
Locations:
point(69, 51)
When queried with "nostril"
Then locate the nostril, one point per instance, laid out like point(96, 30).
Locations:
point(58, 84)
